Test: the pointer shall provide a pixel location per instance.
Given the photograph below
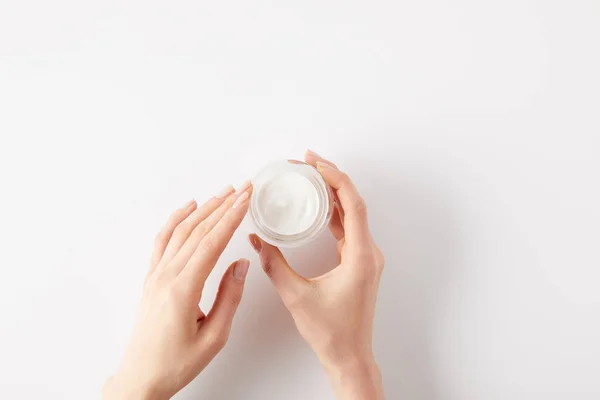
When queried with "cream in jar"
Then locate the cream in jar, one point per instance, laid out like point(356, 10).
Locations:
point(291, 203)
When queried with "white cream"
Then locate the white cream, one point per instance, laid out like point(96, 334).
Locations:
point(288, 203)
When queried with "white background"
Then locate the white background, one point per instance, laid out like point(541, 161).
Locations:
point(471, 128)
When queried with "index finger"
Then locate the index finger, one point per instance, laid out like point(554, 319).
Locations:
point(356, 225)
point(212, 245)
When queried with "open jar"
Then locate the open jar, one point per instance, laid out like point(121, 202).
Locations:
point(291, 204)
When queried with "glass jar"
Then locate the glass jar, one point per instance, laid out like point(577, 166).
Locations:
point(291, 204)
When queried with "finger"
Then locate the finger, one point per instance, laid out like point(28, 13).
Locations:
point(217, 324)
point(335, 225)
point(186, 227)
point(200, 231)
point(312, 158)
point(338, 206)
point(208, 251)
point(339, 248)
point(355, 210)
point(163, 237)
point(286, 281)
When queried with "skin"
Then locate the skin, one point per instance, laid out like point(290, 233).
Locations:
point(173, 340)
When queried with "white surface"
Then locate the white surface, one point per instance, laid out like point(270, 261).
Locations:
point(470, 127)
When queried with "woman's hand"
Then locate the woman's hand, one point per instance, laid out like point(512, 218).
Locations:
point(173, 340)
point(334, 312)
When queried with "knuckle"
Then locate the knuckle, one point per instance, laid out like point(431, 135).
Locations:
point(160, 238)
point(373, 262)
point(267, 264)
point(173, 217)
point(345, 178)
point(216, 340)
point(380, 260)
point(373, 270)
point(233, 299)
point(182, 229)
point(208, 244)
point(177, 232)
point(221, 341)
point(368, 267)
point(199, 231)
point(375, 266)
point(360, 207)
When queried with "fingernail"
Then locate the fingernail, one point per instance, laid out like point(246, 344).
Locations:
point(225, 192)
point(312, 153)
point(241, 200)
point(255, 242)
point(322, 165)
point(244, 187)
point(241, 269)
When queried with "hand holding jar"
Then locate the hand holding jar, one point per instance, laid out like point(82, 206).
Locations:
point(334, 312)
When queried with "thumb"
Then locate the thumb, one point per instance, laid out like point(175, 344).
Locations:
point(218, 321)
point(286, 281)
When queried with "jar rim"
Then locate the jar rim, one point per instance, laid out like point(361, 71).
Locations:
point(325, 204)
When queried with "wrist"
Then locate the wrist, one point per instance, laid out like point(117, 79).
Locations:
point(119, 388)
point(353, 366)
point(356, 378)
point(338, 355)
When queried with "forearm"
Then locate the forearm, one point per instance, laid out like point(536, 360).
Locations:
point(360, 380)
